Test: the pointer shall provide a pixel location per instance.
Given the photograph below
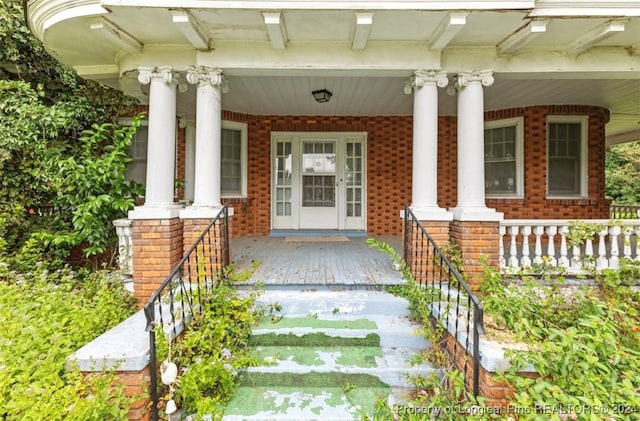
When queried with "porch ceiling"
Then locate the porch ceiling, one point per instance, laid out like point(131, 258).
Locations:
point(274, 53)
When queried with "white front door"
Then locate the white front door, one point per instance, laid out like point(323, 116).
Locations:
point(318, 181)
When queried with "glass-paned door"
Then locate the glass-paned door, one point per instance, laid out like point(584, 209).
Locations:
point(318, 181)
point(318, 186)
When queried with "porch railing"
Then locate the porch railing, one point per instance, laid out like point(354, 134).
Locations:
point(180, 296)
point(453, 303)
point(624, 211)
point(530, 244)
point(124, 230)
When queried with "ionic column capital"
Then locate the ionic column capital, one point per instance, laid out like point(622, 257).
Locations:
point(207, 75)
point(485, 77)
point(421, 78)
point(163, 73)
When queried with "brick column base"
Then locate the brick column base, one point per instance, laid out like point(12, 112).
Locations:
point(157, 249)
point(476, 239)
point(137, 384)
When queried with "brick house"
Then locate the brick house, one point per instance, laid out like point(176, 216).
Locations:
point(472, 112)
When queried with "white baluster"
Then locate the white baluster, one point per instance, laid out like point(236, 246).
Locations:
point(564, 260)
point(626, 247)
point(526, 232)
point(513, 251)
point(636, 230)
point(502, 231)
point(538, 230)
point(576, 259)
point(602, 262)
point(551, 247)
point(588, 252)
point(614, 259)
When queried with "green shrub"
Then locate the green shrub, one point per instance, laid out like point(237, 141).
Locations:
point(45, 317)
point(584, 345)
point(211, 351)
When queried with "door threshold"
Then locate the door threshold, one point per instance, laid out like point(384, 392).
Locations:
point(318, 233)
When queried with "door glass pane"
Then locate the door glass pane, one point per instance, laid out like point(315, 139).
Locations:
point(353, 174)
point(319, 191)
point(283, 163)
point(318, 157)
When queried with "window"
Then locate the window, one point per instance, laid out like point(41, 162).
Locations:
point(566, 156)
point(137, 168)
point(233, 166)
point(503, 158)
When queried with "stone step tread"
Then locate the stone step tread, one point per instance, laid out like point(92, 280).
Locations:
point(322, 300)
point(336, 358)
point(313, 396)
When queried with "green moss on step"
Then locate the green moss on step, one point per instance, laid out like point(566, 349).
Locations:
point(311, 379)
point(314, 322)
point(312, 339)
point(345, 356)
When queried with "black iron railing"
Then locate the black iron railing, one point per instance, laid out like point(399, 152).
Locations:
point(180, 296)
point(453, 303)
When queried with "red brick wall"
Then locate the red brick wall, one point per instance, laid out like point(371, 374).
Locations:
point(157, 249)
point(389, 146)
point(475, 240)
point(389, 157)
point(136, 384)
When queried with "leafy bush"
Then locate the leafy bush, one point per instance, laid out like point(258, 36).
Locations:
point(584, 344)
point(211, 351)
point(45, 317)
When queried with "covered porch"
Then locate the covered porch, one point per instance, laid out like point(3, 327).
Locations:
point(320, 260)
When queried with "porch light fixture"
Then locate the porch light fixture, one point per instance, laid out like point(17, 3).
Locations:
point(321, 95)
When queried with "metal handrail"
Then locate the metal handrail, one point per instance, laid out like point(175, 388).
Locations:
point(181, 294)
point(431, 268)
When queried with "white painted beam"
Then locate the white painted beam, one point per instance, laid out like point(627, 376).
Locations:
point(276, 29)
point(448, 29)
point(116, 34)
point(364, 21)
point(594, 36)
point(522, 36)
point(191, 29)
point(635, 49)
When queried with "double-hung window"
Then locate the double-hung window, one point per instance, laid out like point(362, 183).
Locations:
point(233, 165)
point(566, 156)
point(503, 158)
point(137, 151)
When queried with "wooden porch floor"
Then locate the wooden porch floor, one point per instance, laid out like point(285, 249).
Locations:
point(282, 262)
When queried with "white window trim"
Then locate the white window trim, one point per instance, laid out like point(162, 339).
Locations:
point(518, 122)
point(242, 127)
point(584, 133)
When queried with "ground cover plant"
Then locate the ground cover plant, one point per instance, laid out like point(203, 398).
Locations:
point(209, 354)
point(584, 343)
point(45, 317)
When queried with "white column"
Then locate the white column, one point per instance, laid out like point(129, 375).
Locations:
point(424, 189)
point(471, 198)
point(161, 150)
point(206, 195)
point(189, 157)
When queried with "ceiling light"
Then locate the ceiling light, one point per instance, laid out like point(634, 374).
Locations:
point(321, 95)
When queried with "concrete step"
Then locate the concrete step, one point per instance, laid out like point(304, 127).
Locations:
point(335, 300)
point(328, 354)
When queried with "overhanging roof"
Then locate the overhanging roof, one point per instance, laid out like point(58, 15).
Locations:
point(275, 52)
